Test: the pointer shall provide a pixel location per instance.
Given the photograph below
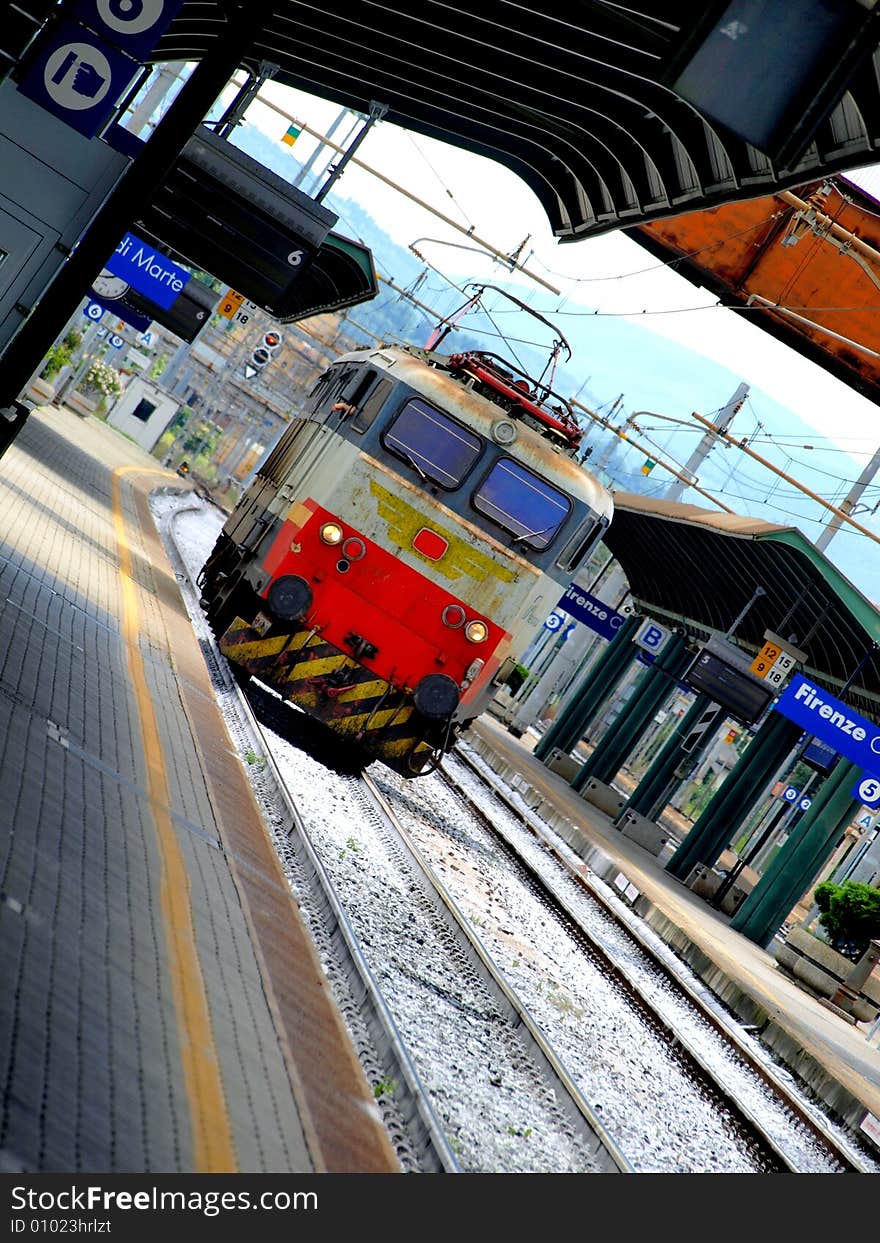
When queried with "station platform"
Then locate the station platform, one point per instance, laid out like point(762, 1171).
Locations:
point(162, 1007)
point(834, 1057)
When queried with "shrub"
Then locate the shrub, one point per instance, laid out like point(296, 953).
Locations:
point(516, 678)
point(101, 378)
point(61, 354)
point(850, 915)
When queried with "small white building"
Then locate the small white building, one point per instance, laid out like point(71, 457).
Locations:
point(143, 412)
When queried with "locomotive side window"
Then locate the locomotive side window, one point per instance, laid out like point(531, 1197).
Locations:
point(523, 503)
point(349, 396)
point(438, 448)
point(584, 540)
point(368, 409)
point(319, 388)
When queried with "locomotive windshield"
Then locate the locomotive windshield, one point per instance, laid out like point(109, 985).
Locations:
point(523, 503)
point(437, 447)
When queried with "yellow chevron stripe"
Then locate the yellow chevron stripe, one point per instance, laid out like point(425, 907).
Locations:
point(253, 647)
point(364, 690)
point(261, 648)
point(314, 668)
point(400, 716)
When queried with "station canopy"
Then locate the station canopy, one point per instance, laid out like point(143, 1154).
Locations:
point(614, 114)
point(699, 569)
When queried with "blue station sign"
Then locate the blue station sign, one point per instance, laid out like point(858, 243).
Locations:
point(833, 722)
point(591, 611)
point(77, 77)
point(147, 270)
point(134, 26)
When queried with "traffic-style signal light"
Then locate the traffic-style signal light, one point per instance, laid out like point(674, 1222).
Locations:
point(272, 340)
point(261, 356)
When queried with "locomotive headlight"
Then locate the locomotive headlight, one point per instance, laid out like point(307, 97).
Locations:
point(477, 631)
point(331, 533)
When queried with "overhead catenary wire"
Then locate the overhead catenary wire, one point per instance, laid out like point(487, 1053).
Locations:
point(503, 257)
point(838, 513)
point(374, 172)
point(667, 263)
point(442, 183)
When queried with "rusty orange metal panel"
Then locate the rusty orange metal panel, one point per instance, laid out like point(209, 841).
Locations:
point(803, 262)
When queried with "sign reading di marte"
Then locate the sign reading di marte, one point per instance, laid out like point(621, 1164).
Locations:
point(833, 722)
point(147, 270)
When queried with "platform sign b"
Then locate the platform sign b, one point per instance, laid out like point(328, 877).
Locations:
point(652, 637)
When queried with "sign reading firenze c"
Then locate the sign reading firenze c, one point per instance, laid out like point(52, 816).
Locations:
point(832, 721)
point(592, 611)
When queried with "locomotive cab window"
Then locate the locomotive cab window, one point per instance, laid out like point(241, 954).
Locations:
point(522, 503)
point(437, 448)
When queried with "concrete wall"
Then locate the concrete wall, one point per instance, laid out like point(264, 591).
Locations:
point(144, 431)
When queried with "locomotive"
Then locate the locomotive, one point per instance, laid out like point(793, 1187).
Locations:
point(402, 543)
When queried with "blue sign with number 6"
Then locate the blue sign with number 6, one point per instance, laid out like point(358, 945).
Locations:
point(135, 26)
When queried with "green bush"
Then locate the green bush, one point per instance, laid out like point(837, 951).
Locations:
point(850, 915)
point(516, 678)
point(61, 354)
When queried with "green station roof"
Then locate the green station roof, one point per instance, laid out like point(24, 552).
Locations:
point(699, 569)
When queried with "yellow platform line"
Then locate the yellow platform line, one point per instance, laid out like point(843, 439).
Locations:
point(213, 1145)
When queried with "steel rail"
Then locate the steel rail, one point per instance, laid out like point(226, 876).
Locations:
point(604, 1149)
point(423, 1129)
point(820, 1133)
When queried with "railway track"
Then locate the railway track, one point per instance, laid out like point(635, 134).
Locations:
point(352, 863)
point(501, 1093)
point(543, 1121)
point(544, 869)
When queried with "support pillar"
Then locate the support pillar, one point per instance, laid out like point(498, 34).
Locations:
point(658, 780)
point(735, 798)
point(590, 693)
point(800, 859)
point(623, 735)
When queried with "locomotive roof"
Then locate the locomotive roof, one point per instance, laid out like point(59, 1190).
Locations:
point(426, 371)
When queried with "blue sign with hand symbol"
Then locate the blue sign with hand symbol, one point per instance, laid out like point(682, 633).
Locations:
point(77, 77)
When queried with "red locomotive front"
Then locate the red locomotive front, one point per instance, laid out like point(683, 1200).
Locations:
point(396, 551)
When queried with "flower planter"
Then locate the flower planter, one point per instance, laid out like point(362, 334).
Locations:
point(40, 390)
point(80, 403)
point(822, 971)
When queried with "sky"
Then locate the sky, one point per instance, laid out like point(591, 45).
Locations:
point(618, 279)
